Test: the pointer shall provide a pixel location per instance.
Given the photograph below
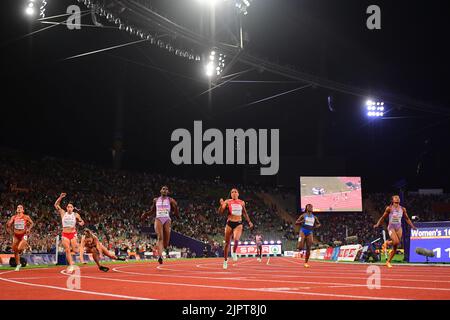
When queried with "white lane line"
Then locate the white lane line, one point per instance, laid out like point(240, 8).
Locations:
point(73, 291)
point(243, 289)
point(323, 284)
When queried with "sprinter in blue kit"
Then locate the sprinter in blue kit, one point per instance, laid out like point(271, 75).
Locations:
point(308, 221)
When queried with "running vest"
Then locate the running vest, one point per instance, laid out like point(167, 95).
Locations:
point(235, 207)
point(309, 221)
point(163, 207)
point(19, 223)
point(69, 220)
point(395, 215)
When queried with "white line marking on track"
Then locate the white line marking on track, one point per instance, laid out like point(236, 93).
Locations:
point(74, 291)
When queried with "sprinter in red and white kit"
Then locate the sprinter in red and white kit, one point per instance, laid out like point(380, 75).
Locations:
point(69, 238)
point(20, 226)
point(236, 208)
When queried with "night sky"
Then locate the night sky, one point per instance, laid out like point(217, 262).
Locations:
point(69, 108)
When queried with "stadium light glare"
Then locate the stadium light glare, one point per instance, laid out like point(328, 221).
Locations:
point(266, 242)
point(375, 108)
point(272, 242)
point(278, 242)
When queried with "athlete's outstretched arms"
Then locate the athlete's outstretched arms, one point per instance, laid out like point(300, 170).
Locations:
point(223, 205)
point(175, 208)
point(151, 212)
point(384, 216)
point(244, 212)
point(58, 203)
point(317, 223)
point(300, 219)
point(408, 220)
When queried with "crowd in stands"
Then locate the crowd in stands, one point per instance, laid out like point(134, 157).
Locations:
point(111, 203)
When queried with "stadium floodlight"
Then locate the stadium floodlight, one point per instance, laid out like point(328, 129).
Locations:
point(246, 242)
point(216, 63)
point(253, 242)
point(239, 243)
point(266, 242)
point(30, 10)
point(271, 242)
point(375, 108)
point(278, 242)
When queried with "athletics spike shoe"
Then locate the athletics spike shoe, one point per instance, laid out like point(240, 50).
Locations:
point(259, 259)
point(17, 267)
point(388, 264)
point(70, 269)
point(306, 265)
point(225, 265)
point(160, 260)
point(104, 269)
point(234, 256)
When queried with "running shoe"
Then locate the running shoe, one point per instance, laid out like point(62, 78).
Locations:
point(160, 260)
point(306, 265)
point(259, 259)
point(234, 256)
point(70, 269)
point(388, 264)
point(104, 269)
point(225, 264)
point(17, 267)
point(121, 259)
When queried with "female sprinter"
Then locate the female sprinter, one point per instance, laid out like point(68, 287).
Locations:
point(163, 206)
point(20, 225)
point(259, 243)
point(69, 235)
point(236, 208)
point(91, 244)
point(308, 221)
point(395, 213)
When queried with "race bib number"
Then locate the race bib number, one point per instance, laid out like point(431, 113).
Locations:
point(236, 209)
point(162, 213)
point(309, 221)
point(19, 225)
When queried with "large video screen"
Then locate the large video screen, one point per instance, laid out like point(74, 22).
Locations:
point(331, 194)
point(433, 236)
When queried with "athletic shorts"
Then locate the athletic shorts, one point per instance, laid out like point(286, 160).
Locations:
point(394, 227)
point(69, 235)
point(163, 220)
point(234, 224)
point(306, 232)
point(19, 236)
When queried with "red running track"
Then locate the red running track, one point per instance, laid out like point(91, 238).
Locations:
point(204, 279)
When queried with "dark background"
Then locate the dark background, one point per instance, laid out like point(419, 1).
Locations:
point(69, 108)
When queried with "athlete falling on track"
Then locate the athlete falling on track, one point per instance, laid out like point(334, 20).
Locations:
point(308, 222)
point(90, 244)
point(69, 238)
point(236, 208)
point(162, 206)
point(395, 212)
point(20, 226)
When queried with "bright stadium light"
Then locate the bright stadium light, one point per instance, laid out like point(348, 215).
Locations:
point(375, 109)
point(272, 242)
point(216, 63)
point(31, 8)
point(253, 242)
point(266, 242)
point(246, 242)
point(278, 242)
